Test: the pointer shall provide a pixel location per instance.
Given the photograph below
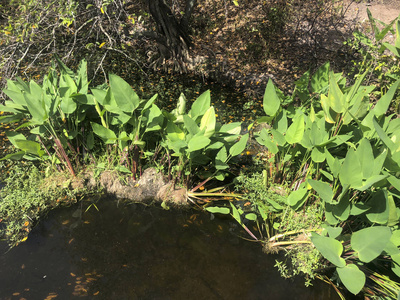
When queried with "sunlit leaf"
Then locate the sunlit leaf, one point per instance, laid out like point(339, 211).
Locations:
point(330, 248)
point(370, 242)
point(271, 101)
point(219, 210)
point(352, 278)
point(323, 189)
point(198, 142)
point(200, 106)
point(239, 146)
point(124, 95)
point(295, 132)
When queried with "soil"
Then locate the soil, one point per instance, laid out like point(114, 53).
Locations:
point(383, 10)
point(243, 53)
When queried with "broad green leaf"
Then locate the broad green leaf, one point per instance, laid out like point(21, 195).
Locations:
point(378, 163)
point(149, 103)
point(383, 136)
point(340, 210)
point(232, 128)
point(15, 94)
point(31, 147)
point(239, 146)
point(297, 198)
point(82, 79)
point(215, 146)
point(328, 176)
point(181, 106)
point(379, 211)
point(251, 217)
point(174, 133)
point(278, 138)
point(13, 136)
point(330, 248)
point(176, 145)
point(13, 108)
point(124, 95)
point(391, 249)
point(106, 134)
point(281, 122)
point(155, 118)
point(36, 104)
point(351, 172)
point(366, 157)
point(333, 163)
point(11, 118)
point(220, 175)
point(330, 115)
point(276, 206)
point(352, 278)
point(319, 136)
point(371, 181)
point(220, 159)
point(334, 232)
point(263, 212)
point(335, 95)
point(358, 209)
point(370, 242)
point(320, 80)
point(200, 106)
point(208, 122)
point(235, 213)
point(83, 99)
point(295, 131)
point(99, 95)
point(358, 108)
point(230, 131)
point(271, 102)
point(198, 142)
point(395, 182)
point(323, 189)
point(396, 264)
point(63, 68)
point(68, 105)
point(67, 82)
point(123, 169)
point(318, 154)
point(395, 238)
point(14, 156)
point(218, 210)
point(382, 105)
point(264, 139)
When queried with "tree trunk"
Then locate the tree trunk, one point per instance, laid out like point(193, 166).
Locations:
point(172, 34)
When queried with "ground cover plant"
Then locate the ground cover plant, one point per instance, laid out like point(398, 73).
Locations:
point(329, 178)
point(26, 196)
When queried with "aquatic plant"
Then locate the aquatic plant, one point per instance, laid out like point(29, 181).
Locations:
point(339, 153)
point(69, 122)
point(336, 161)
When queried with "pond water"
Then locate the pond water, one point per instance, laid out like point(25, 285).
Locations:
point(117, 251)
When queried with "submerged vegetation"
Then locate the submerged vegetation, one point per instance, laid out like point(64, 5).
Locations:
point(321, 180)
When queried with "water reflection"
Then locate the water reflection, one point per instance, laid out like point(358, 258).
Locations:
point(138, 252)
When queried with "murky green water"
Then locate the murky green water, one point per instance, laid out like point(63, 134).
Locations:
point(138, 252)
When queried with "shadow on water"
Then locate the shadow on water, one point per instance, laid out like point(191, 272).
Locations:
point(137, 252)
